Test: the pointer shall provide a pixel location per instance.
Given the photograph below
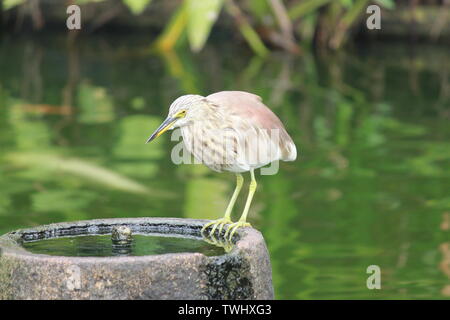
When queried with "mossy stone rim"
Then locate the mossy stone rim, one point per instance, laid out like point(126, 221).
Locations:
point(242, 273)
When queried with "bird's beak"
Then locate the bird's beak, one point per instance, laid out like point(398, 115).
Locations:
point(166, 125)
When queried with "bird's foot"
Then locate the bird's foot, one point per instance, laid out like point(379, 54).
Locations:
point(234, 226)
point(219, 223)
point(219, 242)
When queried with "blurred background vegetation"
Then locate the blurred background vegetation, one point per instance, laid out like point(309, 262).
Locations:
point(265, 24)
point(368, 110)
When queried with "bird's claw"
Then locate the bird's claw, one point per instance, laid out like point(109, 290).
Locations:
point(219, 242)
point(234, 226)
point(216, 223)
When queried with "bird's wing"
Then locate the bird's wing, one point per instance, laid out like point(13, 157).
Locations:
point(250, 107)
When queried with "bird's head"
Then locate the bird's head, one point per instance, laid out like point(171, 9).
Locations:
point(182, 112)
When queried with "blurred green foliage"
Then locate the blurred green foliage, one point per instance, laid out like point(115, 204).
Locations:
point(262, 23)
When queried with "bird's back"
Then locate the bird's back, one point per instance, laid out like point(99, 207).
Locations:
point(239, 133)
point(250, 108)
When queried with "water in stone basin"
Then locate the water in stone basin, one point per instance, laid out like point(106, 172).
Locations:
point(102, 246)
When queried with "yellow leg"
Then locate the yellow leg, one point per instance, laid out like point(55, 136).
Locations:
point(227, 217)
point(243, 220)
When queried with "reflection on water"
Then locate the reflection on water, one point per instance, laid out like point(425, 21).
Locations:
point(371, 125)
point(102, 246)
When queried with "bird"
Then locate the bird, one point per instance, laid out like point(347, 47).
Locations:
point(232, 131)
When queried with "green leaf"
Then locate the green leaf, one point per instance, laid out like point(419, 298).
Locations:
point(247, 31)
point(347, 3)
point(354, 12)
point(173, 31)
point(8, 4)
point(137, 6)
point(259, 9)
point(253, 39)
point(305, 7)
point(201, 17)
point(388, 4)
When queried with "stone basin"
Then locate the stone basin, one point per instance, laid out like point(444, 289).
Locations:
point(241, 272)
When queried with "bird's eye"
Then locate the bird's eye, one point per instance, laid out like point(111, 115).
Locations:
point(182, 113)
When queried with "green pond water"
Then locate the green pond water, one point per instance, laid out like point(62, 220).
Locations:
point(102, 246)
point(371, 185)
